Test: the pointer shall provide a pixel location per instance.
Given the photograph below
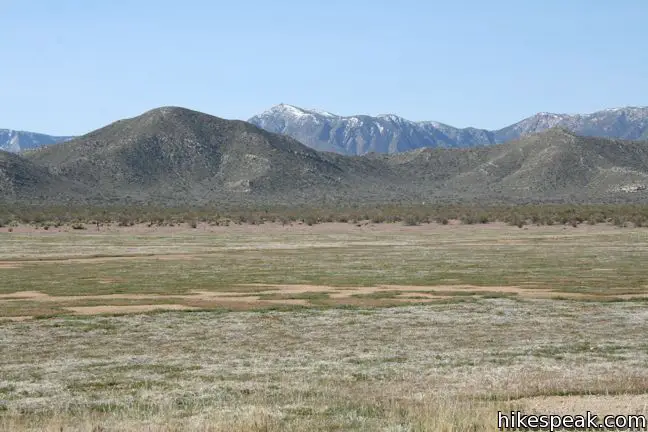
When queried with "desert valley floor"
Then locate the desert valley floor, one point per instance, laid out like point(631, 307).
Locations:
point(333, 326)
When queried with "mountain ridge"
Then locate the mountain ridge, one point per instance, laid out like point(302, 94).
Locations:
point(389, 133)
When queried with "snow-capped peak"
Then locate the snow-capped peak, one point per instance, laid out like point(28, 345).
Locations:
point(287, 109)
point(295, 112)
point(391, 117)
point(550, 115)
point(628, 108)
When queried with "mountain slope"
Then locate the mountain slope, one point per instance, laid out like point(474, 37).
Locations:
point(555, 165)
point(357, 135)
point(16, 141)
point(558, 163)
point(175, 154)
point(22, 180)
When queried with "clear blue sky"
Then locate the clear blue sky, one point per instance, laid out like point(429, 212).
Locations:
point(70, 66)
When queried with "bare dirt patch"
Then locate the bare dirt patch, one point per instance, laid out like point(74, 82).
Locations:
point(194, 300)
point(42, 297)
point(22, 295)
point(289, 295)
point(16, 318)
point(98, 259)
point(420, 296)
point(442, 290)
point(107, 281)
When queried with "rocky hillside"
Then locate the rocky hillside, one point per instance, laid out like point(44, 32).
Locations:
point(16, 141)
point(357, 135)
point(177, 155)
point(24, 181)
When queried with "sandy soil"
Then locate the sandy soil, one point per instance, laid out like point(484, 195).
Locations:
point(238, 300)
point(342, 292)
point(16, 318)
point(91, 259)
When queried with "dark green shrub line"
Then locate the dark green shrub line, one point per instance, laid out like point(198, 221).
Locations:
point(516, 215)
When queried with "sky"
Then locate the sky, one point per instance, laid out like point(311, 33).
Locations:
point(71, 66)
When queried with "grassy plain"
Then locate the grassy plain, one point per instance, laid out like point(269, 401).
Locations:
point(324, 327)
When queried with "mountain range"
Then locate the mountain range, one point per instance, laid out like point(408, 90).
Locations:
point(361, 134)
point(16, 141)
point(176, 156)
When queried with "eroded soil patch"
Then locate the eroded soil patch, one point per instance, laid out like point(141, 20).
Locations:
point(291, 295)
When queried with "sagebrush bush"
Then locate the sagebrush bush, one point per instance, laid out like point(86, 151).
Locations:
point(411, 220)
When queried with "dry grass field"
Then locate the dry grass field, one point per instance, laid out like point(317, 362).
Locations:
point(316, 328)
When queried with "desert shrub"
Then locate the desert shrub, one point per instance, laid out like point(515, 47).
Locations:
point(639, 221)
point(124, 222)
point(468, 219)
point(407, 213)
point(78, 226)
point(440, 220)
point(411, 220)
point(310, 220)
point(516, 220)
